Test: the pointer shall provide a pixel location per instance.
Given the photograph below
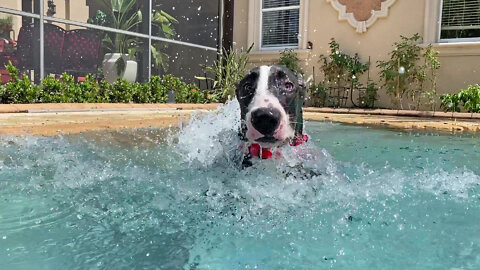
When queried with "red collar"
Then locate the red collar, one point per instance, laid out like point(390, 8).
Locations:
point(266, 153)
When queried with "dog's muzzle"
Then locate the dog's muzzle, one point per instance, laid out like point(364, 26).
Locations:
point(266, 121)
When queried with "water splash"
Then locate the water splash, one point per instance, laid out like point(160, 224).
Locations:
point(127, 194)
point(211, 137)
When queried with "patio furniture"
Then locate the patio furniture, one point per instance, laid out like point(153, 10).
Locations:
point(75, 52)
point(81, 49)
point(53, 49)
point(23, 57)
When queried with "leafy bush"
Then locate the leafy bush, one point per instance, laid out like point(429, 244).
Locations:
point(184, 93)
point(151, 92)
point(369, 96)
point(341, 69)
point(341, 72)
point(289, 59)
point(318, 95)
point(92, 92)
point(450, 103)
point(66, 90)
point(403, 76)
point(469, 99)
point(19, 90)
point(428, 77)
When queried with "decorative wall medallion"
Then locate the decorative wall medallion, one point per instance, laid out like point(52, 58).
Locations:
point(361, 14)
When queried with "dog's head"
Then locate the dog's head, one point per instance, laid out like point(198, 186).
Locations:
point(271, 100)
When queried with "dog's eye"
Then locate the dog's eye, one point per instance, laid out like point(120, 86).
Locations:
point(248, 87)
point(289, 87)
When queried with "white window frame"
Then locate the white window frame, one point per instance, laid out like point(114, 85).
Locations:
point(280, 47)
point(255, 26)
point(449, 40)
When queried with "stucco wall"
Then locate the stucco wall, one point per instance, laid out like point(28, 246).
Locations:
point(78, 11)
point(460, 62)
point(12, 4)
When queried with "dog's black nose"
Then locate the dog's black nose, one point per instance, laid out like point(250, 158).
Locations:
point(266, 120)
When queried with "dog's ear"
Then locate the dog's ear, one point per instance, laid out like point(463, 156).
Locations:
point(300, 102)
point(302, 82)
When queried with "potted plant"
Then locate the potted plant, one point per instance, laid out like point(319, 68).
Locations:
point(119, 61)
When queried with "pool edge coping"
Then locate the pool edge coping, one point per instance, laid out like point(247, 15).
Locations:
point(64, 118)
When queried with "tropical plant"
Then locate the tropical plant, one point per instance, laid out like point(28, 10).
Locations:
point(124, 15)
point(289, 59)
point(226, 73)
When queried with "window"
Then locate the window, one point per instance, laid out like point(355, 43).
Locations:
point(280, 23)
point(460, 19)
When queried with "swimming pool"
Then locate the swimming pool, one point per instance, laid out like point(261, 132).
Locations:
point(136, 200)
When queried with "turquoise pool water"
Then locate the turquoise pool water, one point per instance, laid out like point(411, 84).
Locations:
point(133, 200)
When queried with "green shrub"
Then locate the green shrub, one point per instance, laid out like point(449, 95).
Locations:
point(184, 93)
point(19, 90)
point(342, 72)
point(341, 69)
point(159, 92)
point(289, 59)
point(91, 91)
point(66, 90)
point(122, 91)
point(469, 99)
point(450, 103)
point(318, 95)
point(369, 96)
point(404, 76)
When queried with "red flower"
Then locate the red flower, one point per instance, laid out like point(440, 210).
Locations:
point(194, 90)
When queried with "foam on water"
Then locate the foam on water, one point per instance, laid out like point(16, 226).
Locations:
point(106, 200)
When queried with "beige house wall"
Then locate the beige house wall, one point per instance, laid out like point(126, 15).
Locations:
point(76, 10)
point(13, 4)
point(460, 61)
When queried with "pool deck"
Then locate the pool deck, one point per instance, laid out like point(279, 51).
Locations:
point(53, 119)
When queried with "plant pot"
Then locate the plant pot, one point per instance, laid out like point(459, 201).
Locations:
point(110, 68)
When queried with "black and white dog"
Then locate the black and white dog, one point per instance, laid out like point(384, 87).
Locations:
point(271, 100)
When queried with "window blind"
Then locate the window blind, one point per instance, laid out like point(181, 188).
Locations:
point(280, 3)
point(280, 23)
point(460, 19)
